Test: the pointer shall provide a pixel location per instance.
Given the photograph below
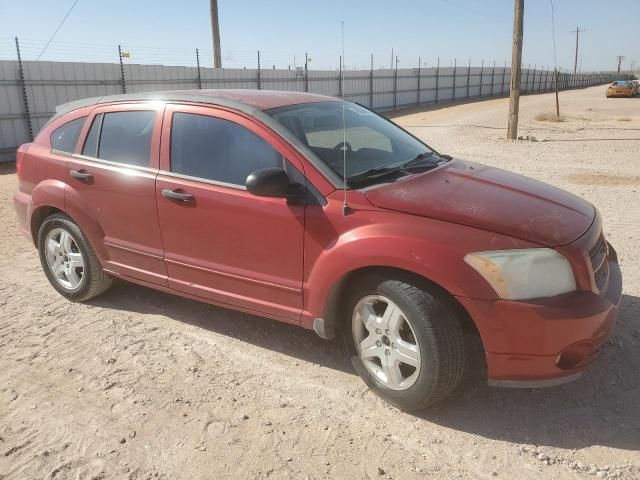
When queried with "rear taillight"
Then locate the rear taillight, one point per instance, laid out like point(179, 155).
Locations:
point(20, 154)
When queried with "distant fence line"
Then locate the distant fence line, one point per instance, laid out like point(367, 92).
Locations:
point(30, 90)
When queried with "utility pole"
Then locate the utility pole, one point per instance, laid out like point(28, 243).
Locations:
point(215, 31)
point(620, 58)
point(516, 70)
point(575, 63)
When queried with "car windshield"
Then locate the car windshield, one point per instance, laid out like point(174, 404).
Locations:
point(370, 142)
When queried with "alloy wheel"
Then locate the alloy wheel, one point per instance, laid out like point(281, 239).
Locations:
point(64, 259)
point(386, 342)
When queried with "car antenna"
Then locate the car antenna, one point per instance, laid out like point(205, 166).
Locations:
point(345, 207)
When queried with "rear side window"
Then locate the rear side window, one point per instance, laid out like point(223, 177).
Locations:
point(122, 137)
point(64, 138)
point(216, 149)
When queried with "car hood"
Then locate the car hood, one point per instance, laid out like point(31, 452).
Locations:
point(490, 199)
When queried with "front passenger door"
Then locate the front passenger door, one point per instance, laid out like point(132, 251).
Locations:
point(221, 242)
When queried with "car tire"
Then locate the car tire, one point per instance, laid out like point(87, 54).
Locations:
point(68, 260)
point(429, 324)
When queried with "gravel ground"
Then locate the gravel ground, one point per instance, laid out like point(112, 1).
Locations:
point(139, 384)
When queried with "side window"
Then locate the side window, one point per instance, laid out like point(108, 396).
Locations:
point(125, 137)
point(64, 138)
point(216, 149)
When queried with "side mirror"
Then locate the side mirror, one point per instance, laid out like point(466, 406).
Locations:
point(269, 182)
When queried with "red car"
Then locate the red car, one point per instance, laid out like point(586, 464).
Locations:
point(239, 198)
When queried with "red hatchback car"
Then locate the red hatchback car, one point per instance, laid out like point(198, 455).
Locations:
point(321, 213)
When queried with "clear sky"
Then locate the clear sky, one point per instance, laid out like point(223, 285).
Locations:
point(162, 31)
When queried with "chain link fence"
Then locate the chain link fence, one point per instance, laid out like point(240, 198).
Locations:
point(35, 79)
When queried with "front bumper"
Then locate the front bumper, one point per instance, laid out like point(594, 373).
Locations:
point(548, 341)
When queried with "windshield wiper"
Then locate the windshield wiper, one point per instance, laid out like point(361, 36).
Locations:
point(373, 173)
point(378, 172)
point(418, 159)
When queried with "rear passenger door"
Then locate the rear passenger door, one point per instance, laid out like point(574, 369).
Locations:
point(111, 181)
point(220, 241)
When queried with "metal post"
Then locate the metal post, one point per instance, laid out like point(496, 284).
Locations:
point(526, 82)
point(481, 76)
point(556, 87)
point(437, 79)
point(468, 76)
point(540, 79)
point(395, 86)
point(504, 74)
point(123, 81)
point(371, 84)
point(198, 64)
point(533, 82)
point(546, 80)
point(493, 72)
point(25, 98)
point(306, 72)
point(259, 73)
point(455, 70)
point(340, 92)
point(419, 86)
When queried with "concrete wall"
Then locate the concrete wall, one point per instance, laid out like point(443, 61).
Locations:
point(48, 84)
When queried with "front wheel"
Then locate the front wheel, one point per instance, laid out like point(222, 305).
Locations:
point(68, 260)
point(407, 342)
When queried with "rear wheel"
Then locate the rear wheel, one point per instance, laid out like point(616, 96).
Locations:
point(68, 260)
point(407, 341)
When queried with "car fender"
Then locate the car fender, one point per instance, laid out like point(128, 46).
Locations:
point(431, 249)
point(46, 194)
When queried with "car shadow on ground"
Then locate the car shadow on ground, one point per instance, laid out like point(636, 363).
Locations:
point(601, 408)
point(7, 168)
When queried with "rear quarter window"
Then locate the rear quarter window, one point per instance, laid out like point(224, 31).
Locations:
point(64, 138)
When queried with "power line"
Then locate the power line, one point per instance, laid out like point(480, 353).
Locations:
point(57, 29)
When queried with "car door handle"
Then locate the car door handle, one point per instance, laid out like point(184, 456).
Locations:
point(177, 196)
point(82, 175)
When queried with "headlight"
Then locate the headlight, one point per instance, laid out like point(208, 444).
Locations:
point(524, 273)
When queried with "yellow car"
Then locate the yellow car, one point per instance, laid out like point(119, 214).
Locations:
point(620, 88)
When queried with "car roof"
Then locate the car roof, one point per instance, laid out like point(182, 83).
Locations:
point(245, 100)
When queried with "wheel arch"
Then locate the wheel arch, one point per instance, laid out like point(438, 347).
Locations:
point(39, 215)
point(338, 293)
point(89, 227)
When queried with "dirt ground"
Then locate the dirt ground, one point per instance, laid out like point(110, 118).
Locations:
point(139, 384)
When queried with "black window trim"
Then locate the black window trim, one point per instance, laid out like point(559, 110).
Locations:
point(86, 137)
